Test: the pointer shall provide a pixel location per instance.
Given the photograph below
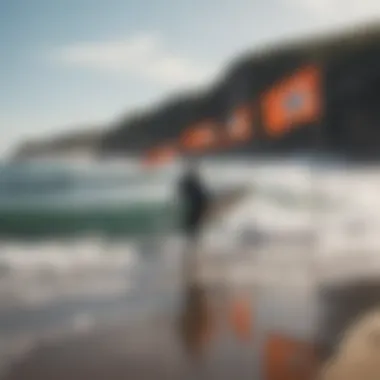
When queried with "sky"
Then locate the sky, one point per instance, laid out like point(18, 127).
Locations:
point(71, 64)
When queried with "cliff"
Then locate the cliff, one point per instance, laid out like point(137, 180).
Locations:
point(350, 61)
point(351, 65)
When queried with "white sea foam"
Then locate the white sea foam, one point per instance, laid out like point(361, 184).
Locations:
point(337, 207)
point(35, 273)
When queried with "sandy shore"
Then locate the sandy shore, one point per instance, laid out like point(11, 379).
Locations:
point(155, 348)
point(116, 352)
point(130, 351)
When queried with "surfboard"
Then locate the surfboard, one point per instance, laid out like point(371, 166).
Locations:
point(222, 202)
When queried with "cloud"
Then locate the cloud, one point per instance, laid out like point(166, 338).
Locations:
point(144, 56)
point(341, 10)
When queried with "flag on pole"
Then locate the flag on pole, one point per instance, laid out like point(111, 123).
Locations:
point(294, 101)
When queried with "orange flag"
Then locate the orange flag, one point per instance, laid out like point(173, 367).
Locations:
point(288, 359)
point(295, 100)
point(160, 155)
point(201, 137)
point(239, 126)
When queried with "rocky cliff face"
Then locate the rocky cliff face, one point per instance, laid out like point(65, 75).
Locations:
point(350, 94)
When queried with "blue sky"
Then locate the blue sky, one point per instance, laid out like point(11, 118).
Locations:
point(67, 64)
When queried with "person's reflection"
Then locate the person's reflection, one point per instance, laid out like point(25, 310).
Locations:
point(197, 322)
point(201, 318)
point(196, 319)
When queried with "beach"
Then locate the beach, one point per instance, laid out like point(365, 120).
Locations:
point(155, 348)
point(135, 350)
point(92, 303)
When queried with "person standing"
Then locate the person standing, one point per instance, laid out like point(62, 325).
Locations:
point(195, 202)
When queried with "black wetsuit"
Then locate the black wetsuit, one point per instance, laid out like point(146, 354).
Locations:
point(195, 201)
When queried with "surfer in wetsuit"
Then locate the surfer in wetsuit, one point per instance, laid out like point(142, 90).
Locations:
point(198, 319)
point(195, 319)
point(195, 199)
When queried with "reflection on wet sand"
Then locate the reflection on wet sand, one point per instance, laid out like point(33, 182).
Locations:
point(154, 349)
point(206, 315)
point(196, 320)
point(192, 342)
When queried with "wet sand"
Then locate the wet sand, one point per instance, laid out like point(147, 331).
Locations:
point(124, 352)
point(141, 351)
point(174, 348)
point(194, 343)
point(156, 348)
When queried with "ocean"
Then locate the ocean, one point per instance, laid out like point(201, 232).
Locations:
point(85, 243)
